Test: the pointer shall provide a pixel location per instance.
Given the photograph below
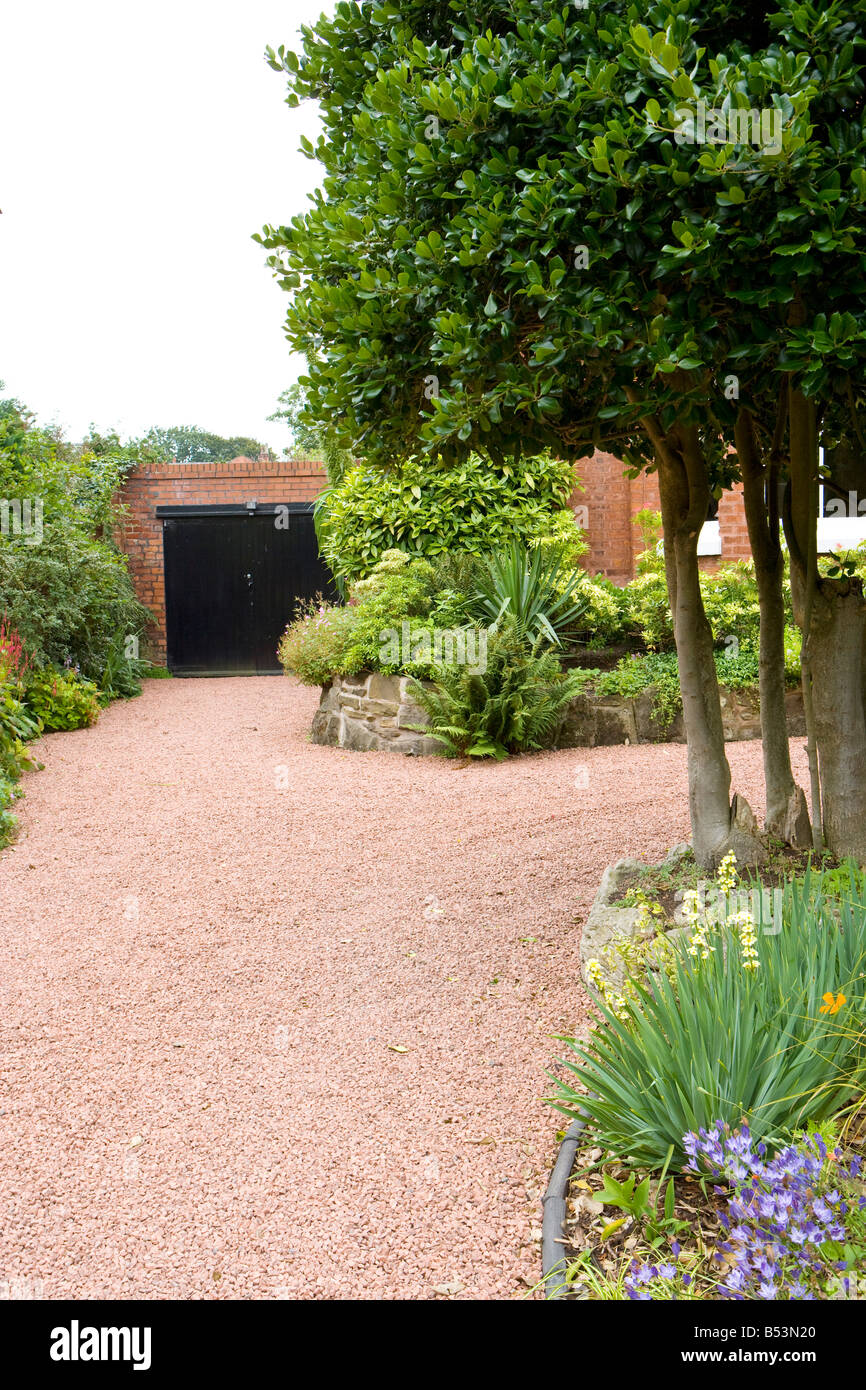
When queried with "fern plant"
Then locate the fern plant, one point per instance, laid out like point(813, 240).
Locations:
point(515, 705)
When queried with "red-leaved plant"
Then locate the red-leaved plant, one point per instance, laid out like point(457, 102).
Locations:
point(15, 661)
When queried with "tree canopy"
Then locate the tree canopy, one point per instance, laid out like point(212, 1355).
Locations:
point(558, 227)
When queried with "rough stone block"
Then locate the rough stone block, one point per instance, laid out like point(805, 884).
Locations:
point(409, 714)
point(615, 723)
point(385, 688)
point(358, 737)
point(326, 727)
point(330, 696)
point(577, 729)
point(648, 727)
point(380, 707)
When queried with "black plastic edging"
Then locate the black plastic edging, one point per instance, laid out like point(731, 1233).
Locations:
point(554, 1211)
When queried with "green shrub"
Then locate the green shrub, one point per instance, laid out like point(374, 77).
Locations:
point(731, 602)
point(744, 1025)
point(563, 537)
point(650, 610)
point(314, 647)
point(328, 640)
point(17, 725)
point(649, 523)
point(793, 647)
point(424, 509)
point(70, 597)
point(730, 597)
point(514, 705)
point(62, 700)
point(121, 675)
point(8, 822)
point(606, 620)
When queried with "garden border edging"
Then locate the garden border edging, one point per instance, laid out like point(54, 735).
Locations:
point(554, 1211)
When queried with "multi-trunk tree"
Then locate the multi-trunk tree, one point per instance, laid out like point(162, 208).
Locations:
point(548, 226)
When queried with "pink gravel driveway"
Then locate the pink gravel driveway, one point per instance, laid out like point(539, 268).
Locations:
point(276, 1017)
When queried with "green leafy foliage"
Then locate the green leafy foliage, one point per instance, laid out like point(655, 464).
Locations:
point(607, 617)
point(629, 1195)
point(326, 640)
point(65, 587)
point(428, 510)
point(709, 1038)
point(121, 674)
point(635, 674)
point(70, 597)
point(17, 724)
point(189, 444)
point(515, 705)
point(640, 611)
point(316, 644)
point(62, 700)
point(657, 671)
point(308, 440)
point(498, 179)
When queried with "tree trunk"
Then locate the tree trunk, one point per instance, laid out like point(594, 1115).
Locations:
point(786, 814)
point(717, 827)
point(837, 643)
point(832, 616)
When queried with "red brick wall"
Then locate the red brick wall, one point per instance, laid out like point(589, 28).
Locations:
point(732, 525)
point(607, 507)
point(197, 484)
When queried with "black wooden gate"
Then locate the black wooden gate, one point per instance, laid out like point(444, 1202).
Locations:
point(233, 577)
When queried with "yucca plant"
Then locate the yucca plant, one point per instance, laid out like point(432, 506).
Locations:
point(514, 705)
point(526, 585)
point(778, 1043)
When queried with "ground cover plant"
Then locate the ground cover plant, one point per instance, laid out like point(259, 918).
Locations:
point(738, 1223)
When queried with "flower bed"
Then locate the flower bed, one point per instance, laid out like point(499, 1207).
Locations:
point(722, 1096)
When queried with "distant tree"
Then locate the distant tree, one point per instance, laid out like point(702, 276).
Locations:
point(189, 444)
point(309, 440)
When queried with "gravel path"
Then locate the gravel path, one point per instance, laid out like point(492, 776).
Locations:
point(276, 1017)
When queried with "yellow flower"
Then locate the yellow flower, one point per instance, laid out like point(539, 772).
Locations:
point(726, 875)
point(832, 1003)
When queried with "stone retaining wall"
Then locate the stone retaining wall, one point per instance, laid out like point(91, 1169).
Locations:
point(591, 721)
point(371, 711)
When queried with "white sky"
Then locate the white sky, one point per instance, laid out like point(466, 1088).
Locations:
point(142, 146)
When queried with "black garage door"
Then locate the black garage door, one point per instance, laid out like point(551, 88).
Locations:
point(233, 577)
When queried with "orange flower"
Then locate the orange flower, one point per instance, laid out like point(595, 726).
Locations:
point(832, 1003)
